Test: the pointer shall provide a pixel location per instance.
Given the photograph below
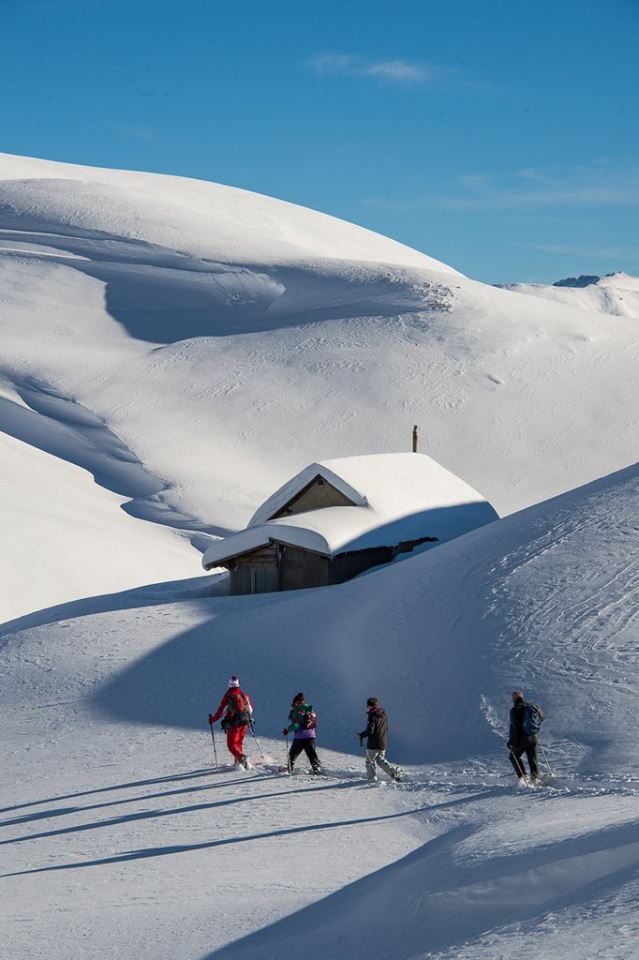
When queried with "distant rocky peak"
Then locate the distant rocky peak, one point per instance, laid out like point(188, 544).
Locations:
point(584, 280)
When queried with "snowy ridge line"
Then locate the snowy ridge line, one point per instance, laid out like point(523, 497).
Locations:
point(245, 223)
point(616, 294)
point(227, 346)
point(202, 342)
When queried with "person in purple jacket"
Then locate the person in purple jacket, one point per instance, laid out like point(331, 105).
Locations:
point(302, 720)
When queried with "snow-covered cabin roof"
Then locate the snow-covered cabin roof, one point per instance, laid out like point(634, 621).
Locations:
point(396, 497)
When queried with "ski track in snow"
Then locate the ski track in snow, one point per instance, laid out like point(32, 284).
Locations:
point(449, 858)
point(155, 853)
point(172, 351)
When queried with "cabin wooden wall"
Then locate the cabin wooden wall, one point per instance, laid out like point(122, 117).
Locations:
point(300, 569)
point(318, 494)
point(348, 565)
point(282, 567)
point(256, 572)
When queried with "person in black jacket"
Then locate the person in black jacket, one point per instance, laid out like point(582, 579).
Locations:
point(520, 742)
point(376, 734)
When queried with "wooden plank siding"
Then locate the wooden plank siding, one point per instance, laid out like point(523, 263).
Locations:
point(284, 567)
point(255, 572)
point(317, 494)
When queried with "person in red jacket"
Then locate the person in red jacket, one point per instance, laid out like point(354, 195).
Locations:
point(236, 708)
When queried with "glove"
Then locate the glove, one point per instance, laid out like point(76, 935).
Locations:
point(211, 719)
point(285, 731)
point(361, 741)
point(509, 744)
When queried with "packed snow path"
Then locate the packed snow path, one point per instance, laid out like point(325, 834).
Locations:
point(185, 862)
point(190, 347)
point(181, 855)
point(119, 840)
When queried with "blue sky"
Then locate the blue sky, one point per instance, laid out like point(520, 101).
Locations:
point(496, 135)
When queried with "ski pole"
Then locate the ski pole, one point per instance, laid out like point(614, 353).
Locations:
point(214, 746)
point(543, 753)
point(518, 763)
point(256, 740)
point(288, 755)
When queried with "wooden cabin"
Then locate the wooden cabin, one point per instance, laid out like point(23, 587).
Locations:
point(338, 518)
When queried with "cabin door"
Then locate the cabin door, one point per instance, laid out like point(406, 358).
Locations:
point(260, 578)
point(264, 578)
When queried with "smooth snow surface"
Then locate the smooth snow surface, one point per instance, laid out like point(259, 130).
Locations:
point(192, 216)
point(121, 841)
point(171, 353)
point(396, 497)
point(44, 539)
point(616, 295)
point(194, 346)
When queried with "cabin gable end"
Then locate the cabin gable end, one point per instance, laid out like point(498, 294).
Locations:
point(316, 495)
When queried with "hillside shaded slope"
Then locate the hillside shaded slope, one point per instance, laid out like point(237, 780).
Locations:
point(193, 346)
point(117, 835)
point(82, 538)
point(547, 600)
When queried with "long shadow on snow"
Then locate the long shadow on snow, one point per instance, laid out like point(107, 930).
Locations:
point(66, 429)
point(433, 900)
point(157, 294)
point(280, 643)
point(151, 595)
point(67, 811)
point(152, 852)
point(164, 296)
point(175, 811)
point(173, 778)
point(178, 682)
point(171, 812)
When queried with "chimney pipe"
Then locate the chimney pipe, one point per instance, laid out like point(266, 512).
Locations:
point(415, 438)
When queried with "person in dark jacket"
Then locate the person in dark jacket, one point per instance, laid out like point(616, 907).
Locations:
point(520, 742)
point(376, 735)
point(303, 721)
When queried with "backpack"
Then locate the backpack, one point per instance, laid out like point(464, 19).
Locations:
point(306, 717)
point(531, 720)
point(238, 711)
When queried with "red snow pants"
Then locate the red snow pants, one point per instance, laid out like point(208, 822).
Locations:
point(235, 740)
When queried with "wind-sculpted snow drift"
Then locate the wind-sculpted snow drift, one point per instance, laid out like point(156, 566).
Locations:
point(189, 347)
point(224, 340)
point(547, 598)
point(457, 862)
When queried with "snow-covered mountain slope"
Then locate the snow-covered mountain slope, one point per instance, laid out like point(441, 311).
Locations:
point(550, 598)
point(616, 294)
point(60, 529)
point(206, 220)
point(118, 841)
point(221, 341)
